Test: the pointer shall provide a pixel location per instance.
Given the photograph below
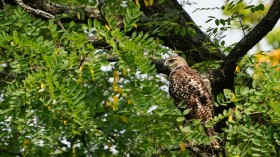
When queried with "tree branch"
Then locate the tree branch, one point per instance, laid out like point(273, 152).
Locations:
point(197, 47)
point(36, 11)
point(250, 40)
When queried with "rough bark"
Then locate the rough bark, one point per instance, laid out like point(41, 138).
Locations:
point(197, 47)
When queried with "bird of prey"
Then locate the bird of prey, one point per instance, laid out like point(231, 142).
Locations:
point(187, 85)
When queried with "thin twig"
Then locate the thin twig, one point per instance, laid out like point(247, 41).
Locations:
point(241, 24)
point(83, 59)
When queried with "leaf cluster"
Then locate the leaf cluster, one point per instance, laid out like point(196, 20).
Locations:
point(60, 95)
point(253, 125)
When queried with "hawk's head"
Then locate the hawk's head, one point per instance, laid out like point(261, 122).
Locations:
point(175, 61)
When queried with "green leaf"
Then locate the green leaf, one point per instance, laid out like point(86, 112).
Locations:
point(112, 22)
point(75, 132)
point(183, 32)
point(131, 17)
point(225, 113)
point(228, 94)
point(89, 22)
point(215, 30)
point(208, 20)
point(180, 119)
point(223, 22)
point(249, 7)
point(230, 111)
point(177, 29)
point(261, 7)
point(223, 43)
point(217, 22)
point(186, 111)
point(238, 114)
point(187, 129)
point(191, 31)
point(72, 23)
point(196, 121)
point(244, 90)
point(253, 10)
point(255, 154)
point(97, 24)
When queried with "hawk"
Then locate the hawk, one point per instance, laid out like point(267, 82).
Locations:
point(187, 85)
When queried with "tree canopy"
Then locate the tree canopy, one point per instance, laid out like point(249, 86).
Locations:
point(86, 78)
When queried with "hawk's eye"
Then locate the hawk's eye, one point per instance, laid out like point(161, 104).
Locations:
point(171, 60)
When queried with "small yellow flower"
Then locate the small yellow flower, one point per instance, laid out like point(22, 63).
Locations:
point(146, 2)
point(79, 15)
point(261, 58)
point(115, 107)
point(107, 27)
point(116, 75)
point(233, 96)
point(151, 2)
point(65, 122)
point(92, 73)
point(115, 101)
point(183, 146)
point(120, 90)
point(123, 119)
point(129, 101)
point(135, 25)
point(43, 85)
point(237, 69)
point(230, 118)
point(79, 80)
point(275, 55)
point(137, 2)
point(115, 88)
point(81, 68)
point(26, 142)
point(124, 71)
point(275, 58)
point(107, 103)
point(12, 43)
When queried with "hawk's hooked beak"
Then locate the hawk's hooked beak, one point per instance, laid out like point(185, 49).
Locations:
point(169, 64)
point(166, 62)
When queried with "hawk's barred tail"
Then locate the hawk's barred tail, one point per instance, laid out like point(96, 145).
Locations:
point(215, 143)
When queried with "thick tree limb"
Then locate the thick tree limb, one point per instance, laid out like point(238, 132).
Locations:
point(197, 47)
point(250, 40)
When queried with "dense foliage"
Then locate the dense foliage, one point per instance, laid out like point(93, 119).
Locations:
point(61, 96)
point(60, 88)
point(253, 125)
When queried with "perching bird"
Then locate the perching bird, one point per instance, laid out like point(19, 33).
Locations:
point(187, 85)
